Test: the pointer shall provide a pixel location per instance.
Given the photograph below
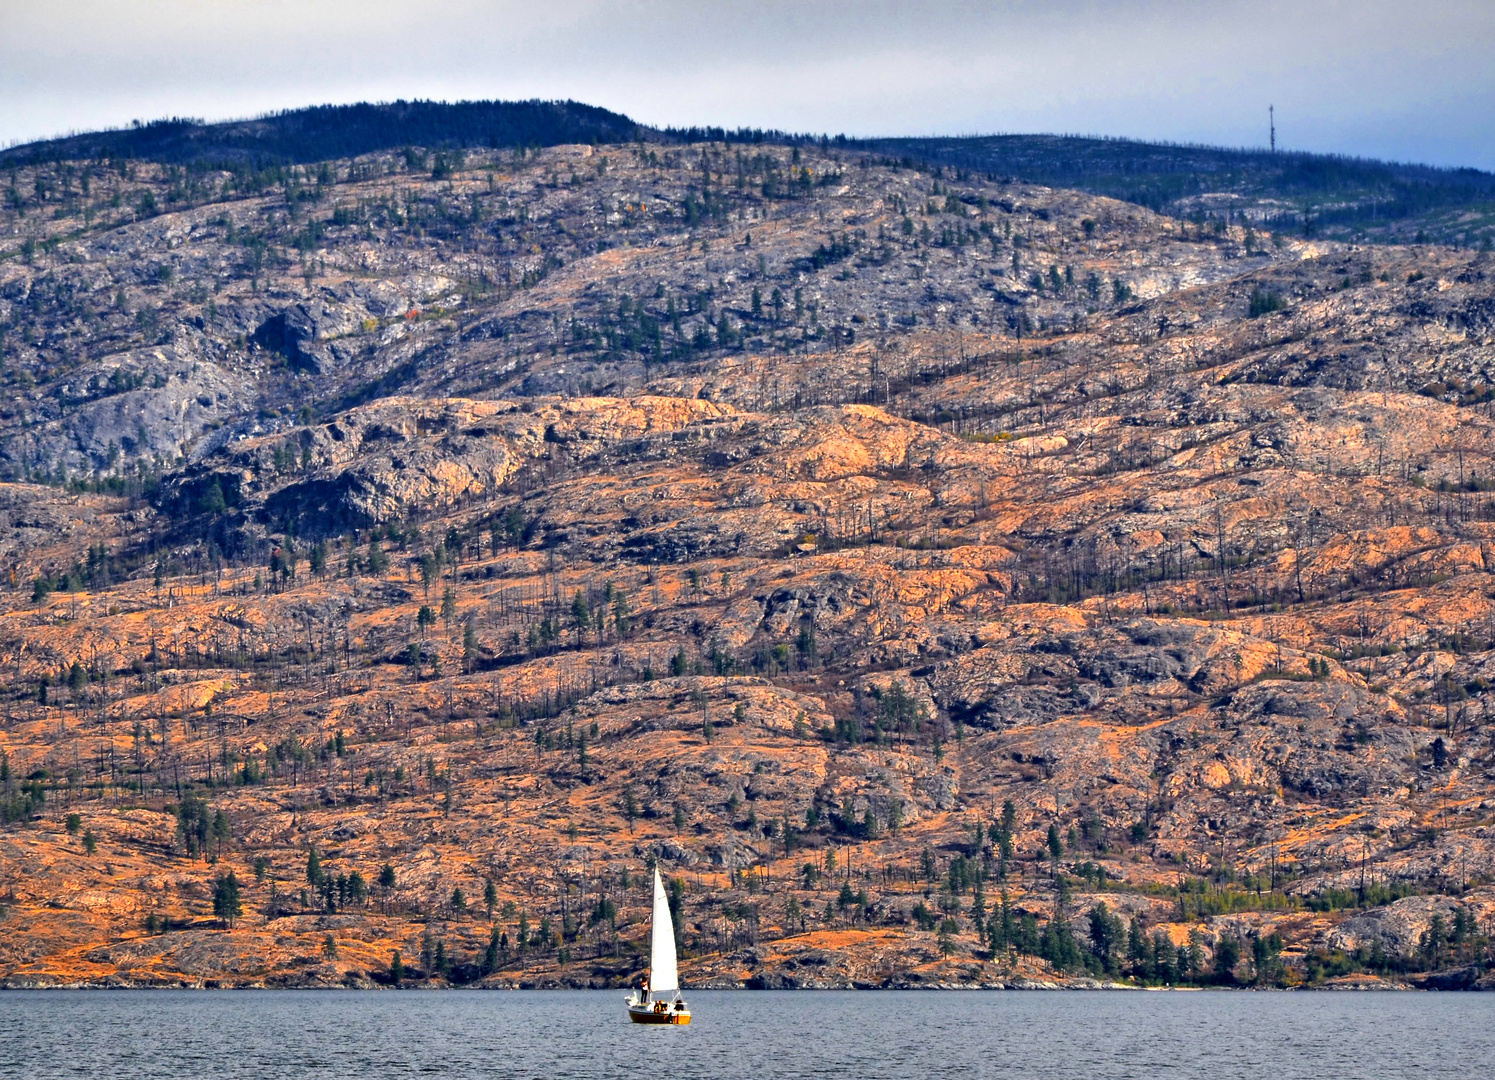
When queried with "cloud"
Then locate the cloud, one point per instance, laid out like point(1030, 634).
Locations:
point(1378, 78)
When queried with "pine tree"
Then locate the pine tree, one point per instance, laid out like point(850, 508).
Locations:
point(630, 806)
point(1057, 944)
point(846, 897)
point(222, 829)
point(1136, 947)
point(622, 621)
point(1027, 934)
point(675, 898)
point(1006, 933)
point(1105, 938)
point(491, 953)
point(1227, 956)
point(226, 902)
point(469, 643)
point(313, 868)
point(1164, 958)
point(378, 561)
point(581, 615)
point(948, 929)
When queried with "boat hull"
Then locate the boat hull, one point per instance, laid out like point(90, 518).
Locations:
point(647, 1015)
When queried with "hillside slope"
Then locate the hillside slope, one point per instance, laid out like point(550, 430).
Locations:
point(1312, 195)
point(944, 581)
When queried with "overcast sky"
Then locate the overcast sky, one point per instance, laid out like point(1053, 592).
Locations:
point(1405, 80)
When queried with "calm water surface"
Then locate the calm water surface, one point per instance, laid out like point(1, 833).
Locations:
point(225, 1035)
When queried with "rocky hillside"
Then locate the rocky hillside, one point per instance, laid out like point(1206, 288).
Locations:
point(943, 580)
point(1313, 195)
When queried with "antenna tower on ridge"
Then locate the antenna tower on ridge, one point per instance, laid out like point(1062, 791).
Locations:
point(1272, 123)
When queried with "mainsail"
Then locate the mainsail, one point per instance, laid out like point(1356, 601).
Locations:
point(663, 977)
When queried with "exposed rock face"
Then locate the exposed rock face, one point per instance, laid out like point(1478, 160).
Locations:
point(552, 519)
point(1398, 928)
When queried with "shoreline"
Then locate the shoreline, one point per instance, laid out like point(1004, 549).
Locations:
point(1460, 984)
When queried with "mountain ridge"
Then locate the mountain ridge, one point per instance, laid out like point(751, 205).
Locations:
point(945, 579)
point(324, 132)
point(1317, 193)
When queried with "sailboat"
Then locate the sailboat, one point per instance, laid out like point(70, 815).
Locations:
point(658, 1001)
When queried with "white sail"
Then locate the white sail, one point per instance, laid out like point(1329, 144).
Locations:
point(663, 978)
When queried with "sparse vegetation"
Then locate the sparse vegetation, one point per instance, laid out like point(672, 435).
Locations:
point(764, 509)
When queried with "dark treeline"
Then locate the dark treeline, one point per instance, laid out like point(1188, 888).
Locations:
point(752, 137)
point(324, 132)
point(1160, 175)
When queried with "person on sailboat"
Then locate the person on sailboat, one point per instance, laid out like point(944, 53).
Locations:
point(663, 977)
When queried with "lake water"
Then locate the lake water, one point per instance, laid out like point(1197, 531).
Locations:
point(225, 1035)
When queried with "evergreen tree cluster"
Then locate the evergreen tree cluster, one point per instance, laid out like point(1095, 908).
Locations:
point(1160, 176)
point(323, 132)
